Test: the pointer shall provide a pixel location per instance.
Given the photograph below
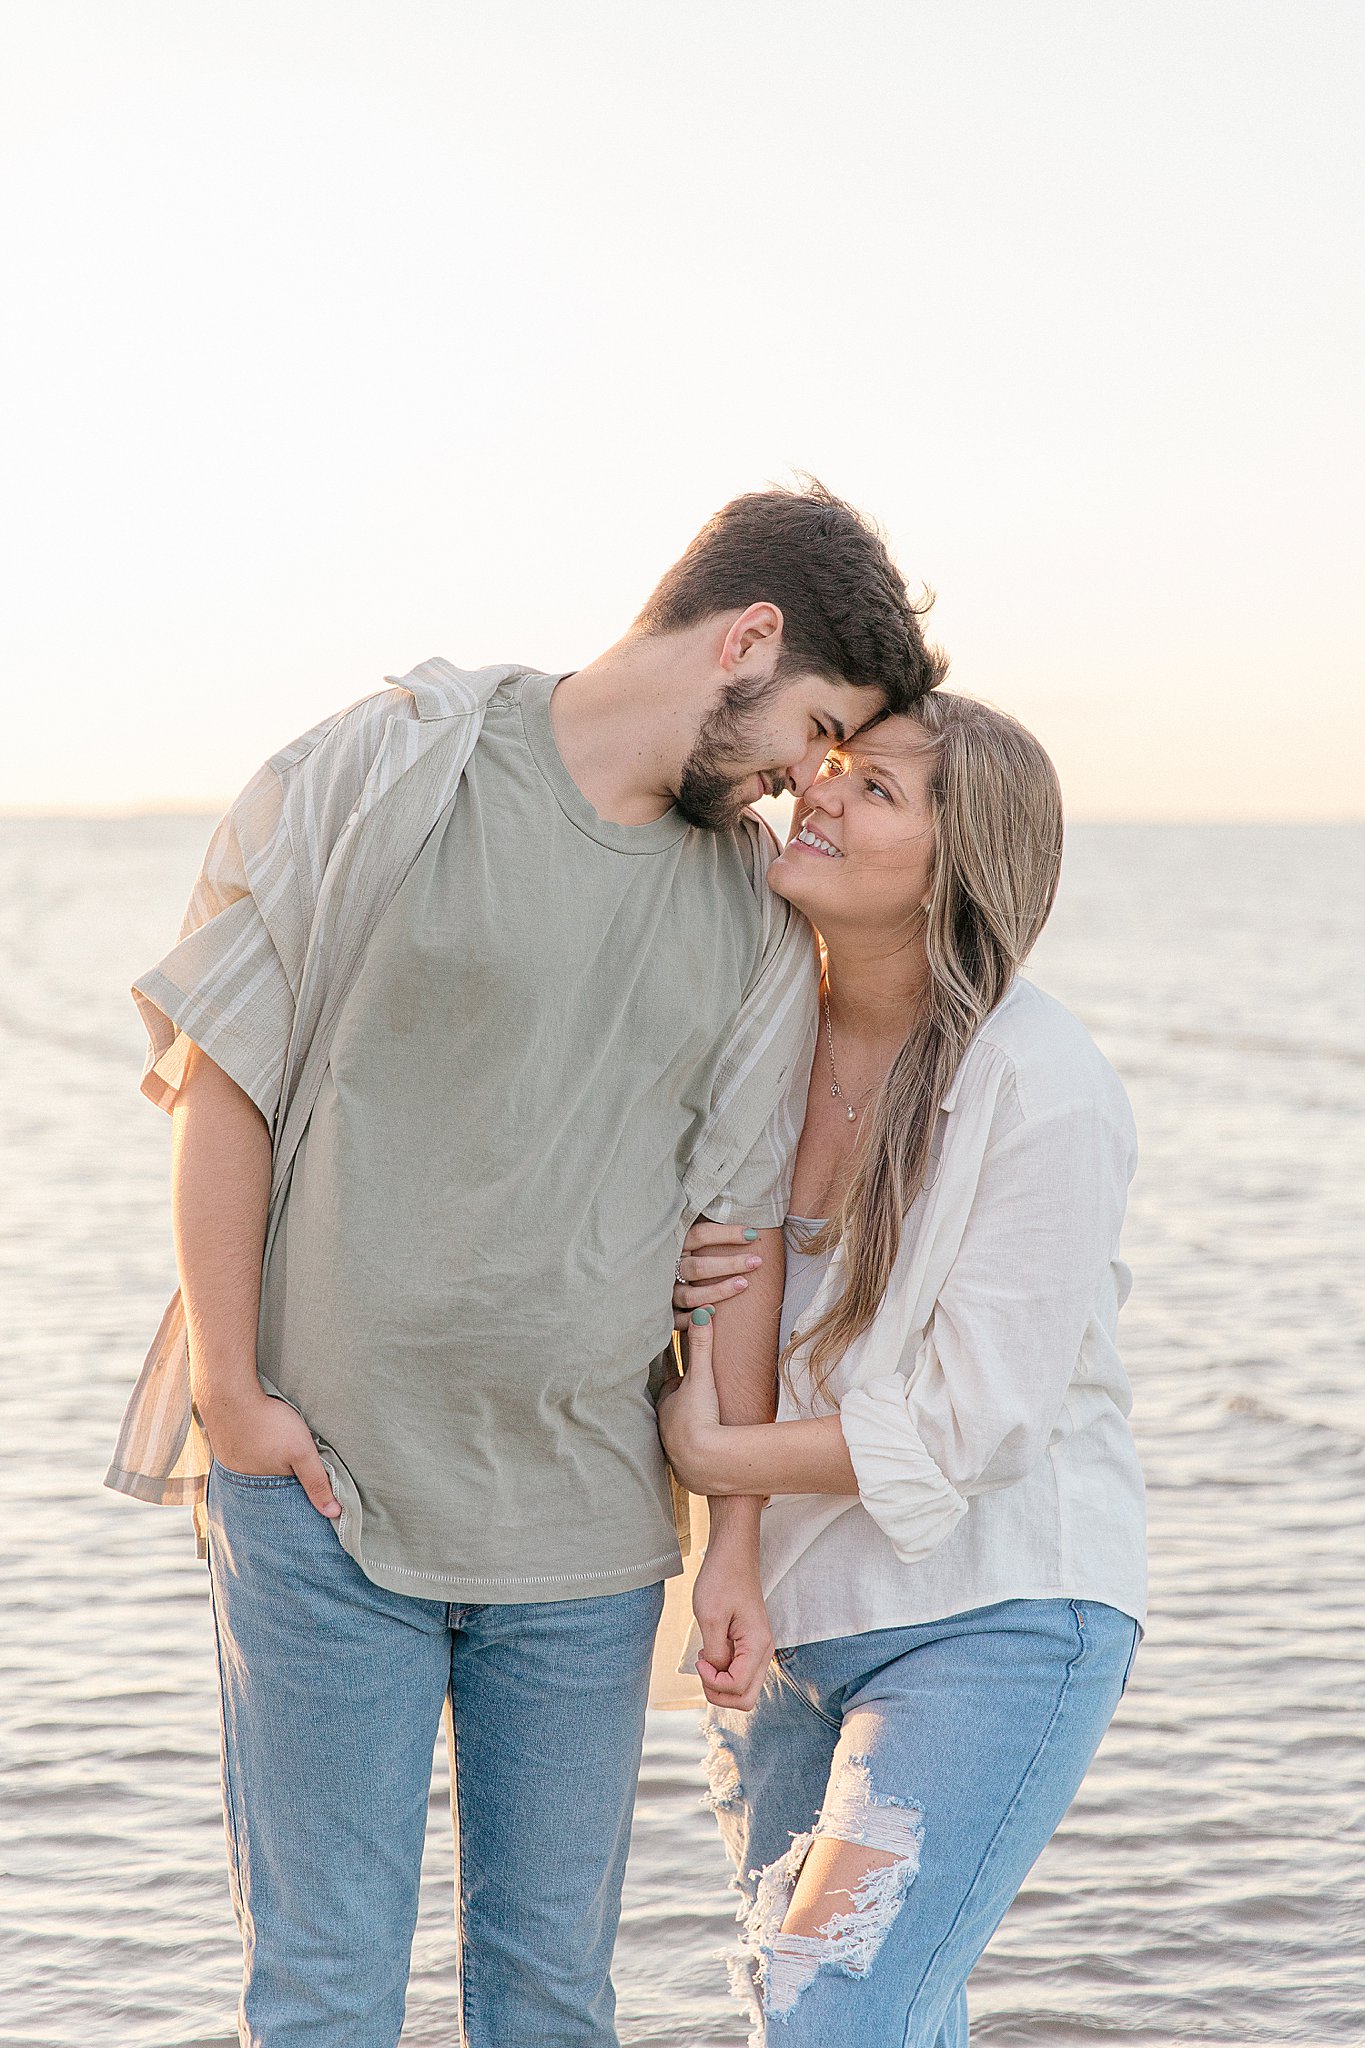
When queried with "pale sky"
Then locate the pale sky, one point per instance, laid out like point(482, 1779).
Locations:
point(340, 334)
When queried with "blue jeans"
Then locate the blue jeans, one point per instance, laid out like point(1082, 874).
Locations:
point(332, 1692)
point(955, 1748)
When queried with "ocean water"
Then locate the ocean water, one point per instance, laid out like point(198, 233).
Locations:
point(1209, 1884)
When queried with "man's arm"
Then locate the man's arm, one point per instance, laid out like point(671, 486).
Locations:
point(728, 1598)
point(220, 1197)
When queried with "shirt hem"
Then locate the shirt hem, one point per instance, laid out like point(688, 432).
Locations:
point(511, 1590)
point(924, 1616)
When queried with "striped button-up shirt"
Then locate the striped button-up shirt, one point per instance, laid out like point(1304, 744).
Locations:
point(295, 880)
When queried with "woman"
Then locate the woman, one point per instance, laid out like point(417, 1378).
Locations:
point(953, 1549)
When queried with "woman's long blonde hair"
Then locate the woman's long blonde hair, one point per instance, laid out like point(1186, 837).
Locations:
point(997, 823)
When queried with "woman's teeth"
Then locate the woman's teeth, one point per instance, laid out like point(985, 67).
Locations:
point(808, 838)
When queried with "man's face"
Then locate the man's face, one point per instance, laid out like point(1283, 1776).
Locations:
point(761, 737)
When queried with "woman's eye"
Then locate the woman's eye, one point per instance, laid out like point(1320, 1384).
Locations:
point(878, 788)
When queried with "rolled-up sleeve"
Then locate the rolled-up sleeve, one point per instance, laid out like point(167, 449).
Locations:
point(231, 983)
point(987, 1387)
point(222, 987)
point(910, 1498)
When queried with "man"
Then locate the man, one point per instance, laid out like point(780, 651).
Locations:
point(481, 998)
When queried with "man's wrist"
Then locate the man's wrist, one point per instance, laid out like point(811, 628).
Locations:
point(227, 1393)
point(734, 1519)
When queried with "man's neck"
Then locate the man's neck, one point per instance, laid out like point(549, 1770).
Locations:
point(623, 726)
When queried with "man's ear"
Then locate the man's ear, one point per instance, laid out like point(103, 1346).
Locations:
point(756, 635)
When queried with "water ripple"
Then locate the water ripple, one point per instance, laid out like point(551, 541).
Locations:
point(1209, 1885)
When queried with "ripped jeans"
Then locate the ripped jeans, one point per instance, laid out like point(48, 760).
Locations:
point(953, 1748)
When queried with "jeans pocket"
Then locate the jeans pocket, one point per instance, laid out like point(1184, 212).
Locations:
point(1132, 1658)
point(262, 1482)
point(798, 1688)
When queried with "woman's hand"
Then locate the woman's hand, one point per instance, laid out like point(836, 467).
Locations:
point(720, 1459)
point(715, 1259)
point(689, 1415)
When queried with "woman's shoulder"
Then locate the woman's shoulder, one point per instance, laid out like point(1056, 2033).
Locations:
point(1043, 1053)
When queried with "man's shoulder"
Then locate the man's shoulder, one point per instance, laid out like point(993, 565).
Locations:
point(784, 943)
point(756, 847)
point(430, 697)
point(356, 726)
point(744, 853)
point(438, 690)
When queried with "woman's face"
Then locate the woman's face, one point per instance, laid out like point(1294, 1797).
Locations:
point(861, 850)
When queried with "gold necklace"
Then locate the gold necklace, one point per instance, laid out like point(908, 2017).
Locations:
point(836, 1091)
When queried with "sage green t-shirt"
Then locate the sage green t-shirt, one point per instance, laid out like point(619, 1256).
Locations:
point(474, 1266)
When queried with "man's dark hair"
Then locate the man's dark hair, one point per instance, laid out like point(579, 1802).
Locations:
point(846, 614)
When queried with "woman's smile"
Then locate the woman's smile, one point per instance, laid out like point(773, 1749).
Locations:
point(808, 840)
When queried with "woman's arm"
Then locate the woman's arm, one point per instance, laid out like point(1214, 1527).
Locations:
point(723, 1459)
point(979, 1407)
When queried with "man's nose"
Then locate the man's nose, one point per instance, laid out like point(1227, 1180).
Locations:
point(822, 793)
point(801, 774)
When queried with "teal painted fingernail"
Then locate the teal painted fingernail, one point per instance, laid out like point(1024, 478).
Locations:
point(701, 1316)
point(749, 1236)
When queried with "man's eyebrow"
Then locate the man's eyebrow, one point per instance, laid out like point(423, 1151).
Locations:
point(877, 718)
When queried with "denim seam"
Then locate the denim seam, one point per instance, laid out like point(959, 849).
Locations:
point(785, 1678)
point(1010, 1810)
point(1132, 1659)
point(229, 1776)
point(462, 1946)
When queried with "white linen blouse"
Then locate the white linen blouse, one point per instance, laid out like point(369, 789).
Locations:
point(985, 1408)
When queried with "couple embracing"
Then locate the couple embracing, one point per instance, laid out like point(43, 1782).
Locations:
point(497, 1016)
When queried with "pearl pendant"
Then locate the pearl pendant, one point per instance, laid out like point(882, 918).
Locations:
point(852, 1115)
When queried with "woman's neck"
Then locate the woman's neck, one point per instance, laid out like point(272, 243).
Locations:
point(875, 988)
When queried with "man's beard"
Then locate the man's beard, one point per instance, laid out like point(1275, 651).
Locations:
point(710, 786)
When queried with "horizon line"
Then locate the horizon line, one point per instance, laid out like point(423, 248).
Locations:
point(134, 813)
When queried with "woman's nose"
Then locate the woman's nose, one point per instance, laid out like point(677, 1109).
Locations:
point(824, 795)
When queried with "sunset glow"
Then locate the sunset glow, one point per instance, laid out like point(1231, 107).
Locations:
point(351, 337)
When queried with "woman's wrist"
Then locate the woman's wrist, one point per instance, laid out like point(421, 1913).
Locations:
point(730, 1460)
point(701, 1460)
point(758, 1459)
point(705, 1461)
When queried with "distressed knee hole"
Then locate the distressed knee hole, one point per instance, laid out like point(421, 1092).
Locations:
point(783, 1963)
